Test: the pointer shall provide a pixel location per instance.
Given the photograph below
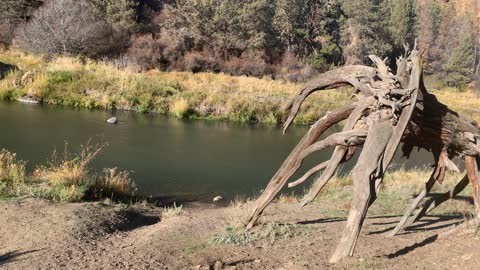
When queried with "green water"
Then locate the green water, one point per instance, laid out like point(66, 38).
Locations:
point(168, 158)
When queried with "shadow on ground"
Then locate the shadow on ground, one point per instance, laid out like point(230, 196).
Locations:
point(13, 256)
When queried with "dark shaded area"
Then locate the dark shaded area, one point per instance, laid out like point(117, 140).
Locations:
point(421, 225)
point(237, 262)
point(408, 249)
point(321, 220)
point(5, 69)
point(134, 220)
point(13, 255)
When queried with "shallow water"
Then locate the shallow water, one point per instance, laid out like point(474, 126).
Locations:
point(168, 158)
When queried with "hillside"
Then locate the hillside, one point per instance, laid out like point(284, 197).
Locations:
point(291, 40)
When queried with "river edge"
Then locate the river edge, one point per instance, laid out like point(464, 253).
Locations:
point(37, 234)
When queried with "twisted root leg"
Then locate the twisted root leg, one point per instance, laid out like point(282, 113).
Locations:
point(366, 174)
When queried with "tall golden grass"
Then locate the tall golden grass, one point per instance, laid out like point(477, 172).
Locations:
point(99, 84)
point(65, 178)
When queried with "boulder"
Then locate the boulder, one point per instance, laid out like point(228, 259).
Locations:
point(217, 198)
point(29, 99)
point(112, 120)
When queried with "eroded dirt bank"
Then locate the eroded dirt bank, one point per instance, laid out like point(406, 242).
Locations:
point(36, 234)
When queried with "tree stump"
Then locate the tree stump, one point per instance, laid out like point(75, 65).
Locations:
point(388, 110)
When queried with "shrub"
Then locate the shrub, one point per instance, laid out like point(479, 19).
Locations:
point(198, 62)
point(180, 108)
point(67, 27)
point(68, 178)
point(113, 184)
point(12, 174)
point(11, 169)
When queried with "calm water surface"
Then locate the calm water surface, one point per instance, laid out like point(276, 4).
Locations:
point(168, 158)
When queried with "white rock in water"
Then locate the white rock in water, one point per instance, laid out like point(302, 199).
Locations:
point(112, 120)
point(218, 198)
point(29, 99)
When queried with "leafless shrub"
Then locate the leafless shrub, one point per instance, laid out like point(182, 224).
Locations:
point(200, 62)
point(67, 27)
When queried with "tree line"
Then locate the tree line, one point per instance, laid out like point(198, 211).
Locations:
point(290, 39)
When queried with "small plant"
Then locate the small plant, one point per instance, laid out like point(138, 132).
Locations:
point(11, 169)
point(65, 178)
point(180, 108)
point(237, 235)
point(113, 184)
point(274, 231)
point(173, 211)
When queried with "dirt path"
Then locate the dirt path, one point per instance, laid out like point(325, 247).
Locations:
point(36, 234)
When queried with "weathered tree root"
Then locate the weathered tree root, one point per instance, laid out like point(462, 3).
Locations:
point(390, 109)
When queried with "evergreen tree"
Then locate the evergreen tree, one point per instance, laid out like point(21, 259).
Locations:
point(459, 67)
point(309, 29)
point(402, 23)
point(365, 31)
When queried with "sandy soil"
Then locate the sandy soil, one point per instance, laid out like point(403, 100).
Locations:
point(36, 234)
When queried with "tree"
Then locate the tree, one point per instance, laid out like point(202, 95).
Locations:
point(430, 17)
point(402, 23)
point(67, 27)
point(309, 29)
point(12, 13)
point(120, 14)
point(459, 68)
point(365, 31)
point(389, 110)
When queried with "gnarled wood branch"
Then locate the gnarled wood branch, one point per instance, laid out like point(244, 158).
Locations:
point(394, 109)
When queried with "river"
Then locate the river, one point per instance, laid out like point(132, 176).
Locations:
point(169, 158)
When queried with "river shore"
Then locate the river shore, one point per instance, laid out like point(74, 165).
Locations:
point(37, 234)
point(77, 82)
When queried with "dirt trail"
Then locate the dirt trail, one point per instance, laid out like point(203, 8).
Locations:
point(36, 234)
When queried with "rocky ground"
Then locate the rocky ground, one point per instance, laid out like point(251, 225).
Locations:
point(36, 234)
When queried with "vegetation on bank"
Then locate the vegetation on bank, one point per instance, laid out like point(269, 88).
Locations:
point(66, 178)
point(89, 84)
point(101, 85)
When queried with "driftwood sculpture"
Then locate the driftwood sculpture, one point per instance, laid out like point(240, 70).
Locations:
point(389, 109)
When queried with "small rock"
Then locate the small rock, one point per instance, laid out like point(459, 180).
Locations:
point(218, 198)
point(112, 120)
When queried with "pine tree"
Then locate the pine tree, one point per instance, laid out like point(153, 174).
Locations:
point(459, 68)
point(403, 22)
point(309, 29)
point(365, 31)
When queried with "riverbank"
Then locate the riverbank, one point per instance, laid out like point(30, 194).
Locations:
point(37, 234)
point(107, 85)
point(101, 85)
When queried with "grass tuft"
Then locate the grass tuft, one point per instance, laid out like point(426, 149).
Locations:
point(270, 232)
point(169, 212)
point(65, 178)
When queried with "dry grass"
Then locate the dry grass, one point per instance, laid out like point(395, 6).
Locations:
point(173, 211)
point(65, 178)
point(70, 82)
point(269, 232)
point(464, 102)
point(11, 169)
